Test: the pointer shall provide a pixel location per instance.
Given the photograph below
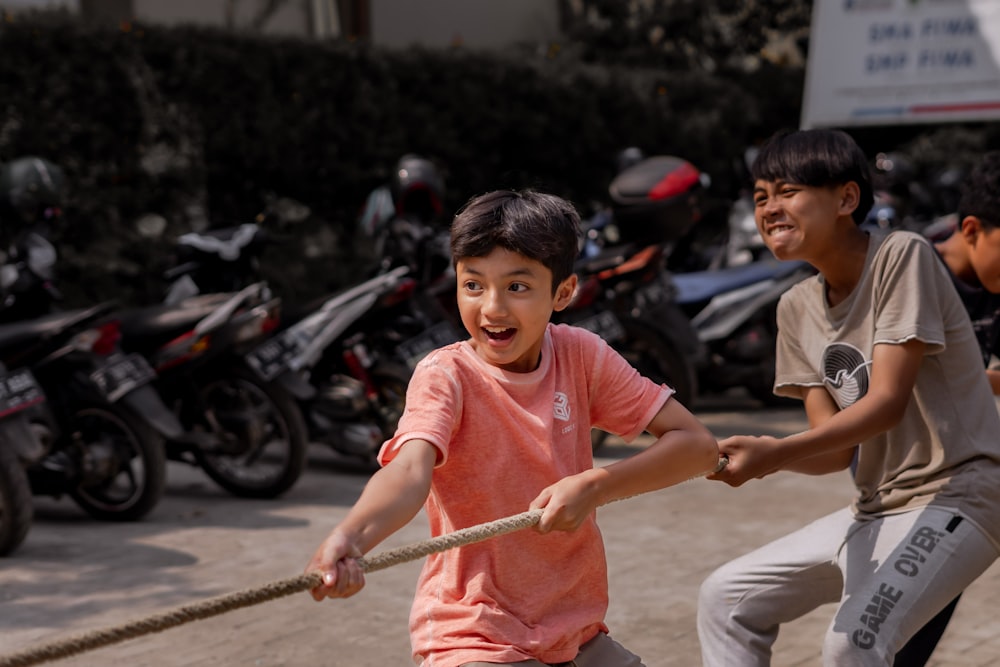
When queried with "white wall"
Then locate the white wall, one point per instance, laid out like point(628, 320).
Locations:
point(291, 19)
point(475, 23)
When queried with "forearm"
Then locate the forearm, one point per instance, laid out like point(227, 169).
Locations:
point(676, 456)
point(823, 464)
point(390, 500)
point(828, 446)
point(684, 448)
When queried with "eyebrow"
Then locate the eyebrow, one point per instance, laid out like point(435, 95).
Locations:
point(510, 274)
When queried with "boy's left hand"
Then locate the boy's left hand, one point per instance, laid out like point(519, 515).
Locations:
point(567, 503)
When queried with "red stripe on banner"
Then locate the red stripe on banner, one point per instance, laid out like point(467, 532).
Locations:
point(969, 106)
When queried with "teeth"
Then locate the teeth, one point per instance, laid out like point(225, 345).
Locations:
point(495, 329)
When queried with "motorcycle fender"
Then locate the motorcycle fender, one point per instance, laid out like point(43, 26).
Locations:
point(296, 384)
point(146, 403)
point(16, 432)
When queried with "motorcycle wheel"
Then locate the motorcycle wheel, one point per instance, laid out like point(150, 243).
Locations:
point(16, 508)
point(262, 437)
point(123, 463)
point(656, 357)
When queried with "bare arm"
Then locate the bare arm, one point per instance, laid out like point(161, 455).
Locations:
point(392, 497)
point(684, 448)
point(893, 374)
point(820, 407)
point(993, 376)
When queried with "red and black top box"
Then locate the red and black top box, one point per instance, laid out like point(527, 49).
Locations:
point(656, 200)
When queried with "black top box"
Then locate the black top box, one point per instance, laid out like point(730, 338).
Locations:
point(656, 200)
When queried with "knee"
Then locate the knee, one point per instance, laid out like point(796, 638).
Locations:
point(861, 648)
point(715, 596)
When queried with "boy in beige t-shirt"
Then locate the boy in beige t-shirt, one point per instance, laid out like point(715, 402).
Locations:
point(880, 349)
point(500, 423)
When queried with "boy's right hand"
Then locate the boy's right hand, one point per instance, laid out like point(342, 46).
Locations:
point(335, 560)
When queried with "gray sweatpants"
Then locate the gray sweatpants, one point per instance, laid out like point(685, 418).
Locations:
point(890, 576)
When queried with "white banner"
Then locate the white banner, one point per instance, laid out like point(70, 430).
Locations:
point(890, 62)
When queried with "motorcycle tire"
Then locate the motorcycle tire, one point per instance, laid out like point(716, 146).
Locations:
point(123, 462)
point(656, 357)
point(16, 508)
point(254, 459)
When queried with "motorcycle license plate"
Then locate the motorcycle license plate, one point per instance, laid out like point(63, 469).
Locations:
point(121, 375)
point(605, 325)
point(272, 356)
point(416, 348)
point(18, 391)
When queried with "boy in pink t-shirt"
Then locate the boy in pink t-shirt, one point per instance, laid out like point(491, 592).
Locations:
point(500, 423)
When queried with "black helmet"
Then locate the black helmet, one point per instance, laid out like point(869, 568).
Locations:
point(628, 157)
point(417, 188)
point(32, 188)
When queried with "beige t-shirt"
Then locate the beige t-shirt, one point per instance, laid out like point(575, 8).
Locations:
point(503, 437)
point(946, 449)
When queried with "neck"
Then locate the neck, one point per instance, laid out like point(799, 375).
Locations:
point(955, 253)
point(842, 271)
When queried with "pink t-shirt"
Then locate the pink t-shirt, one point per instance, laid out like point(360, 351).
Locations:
point(503, 437)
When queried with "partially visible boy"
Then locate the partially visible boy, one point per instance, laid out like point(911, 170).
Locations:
point(880, 350)
point(500, 423)
point(972, 255)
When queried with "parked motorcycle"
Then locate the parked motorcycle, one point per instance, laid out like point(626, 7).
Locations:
point(346, 358)
point(102, 425)
point(246, 434)
point(18, 446)
point(734, 312)
point(626, 295)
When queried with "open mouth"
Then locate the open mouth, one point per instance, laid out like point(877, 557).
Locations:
point(499, 333)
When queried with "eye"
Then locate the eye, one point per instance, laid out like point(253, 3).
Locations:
point(471, 286)
point(518, 287)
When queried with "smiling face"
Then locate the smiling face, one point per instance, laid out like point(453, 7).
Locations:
point(799, 221)
point(506, 300)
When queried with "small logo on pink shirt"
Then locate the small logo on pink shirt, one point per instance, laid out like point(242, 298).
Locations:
point(561, 408)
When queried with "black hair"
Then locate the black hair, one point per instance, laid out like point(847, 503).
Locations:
point(817, 158)
point(540, 226)
point(981, 191)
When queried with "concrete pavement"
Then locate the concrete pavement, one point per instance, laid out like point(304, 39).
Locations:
point(74, 574)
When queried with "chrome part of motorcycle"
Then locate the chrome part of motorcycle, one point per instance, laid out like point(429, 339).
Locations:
point(355, 419)
point(259, 443)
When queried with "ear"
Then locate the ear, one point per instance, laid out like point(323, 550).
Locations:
point(850, 197)
point(565, 293)
point(970, 227)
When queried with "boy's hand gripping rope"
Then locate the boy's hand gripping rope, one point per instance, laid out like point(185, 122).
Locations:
point(94, 639)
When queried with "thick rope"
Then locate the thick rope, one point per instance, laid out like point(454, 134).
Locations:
point(87, 641)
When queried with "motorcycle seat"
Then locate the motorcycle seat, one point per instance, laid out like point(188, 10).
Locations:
point(700, 286)
point(16, 334)
point(147, 328)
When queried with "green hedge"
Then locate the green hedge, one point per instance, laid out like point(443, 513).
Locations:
point(159, 120)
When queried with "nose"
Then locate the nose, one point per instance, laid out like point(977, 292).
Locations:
point(494, 303)
point(766, 209)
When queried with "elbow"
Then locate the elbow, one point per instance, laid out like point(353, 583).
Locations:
point(890, 415)
point(708, 449)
